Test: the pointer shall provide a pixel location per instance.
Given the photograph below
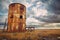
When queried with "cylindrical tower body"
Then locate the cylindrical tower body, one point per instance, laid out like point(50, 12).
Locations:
point(16, 18)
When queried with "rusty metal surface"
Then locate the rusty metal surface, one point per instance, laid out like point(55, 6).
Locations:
point(16, 17)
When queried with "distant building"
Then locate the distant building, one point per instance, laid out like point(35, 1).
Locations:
point(16, 18)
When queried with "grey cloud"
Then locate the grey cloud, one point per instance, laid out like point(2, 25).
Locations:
point(44, 1)
point(52, 19)
point(55, 8)
point(52, 8)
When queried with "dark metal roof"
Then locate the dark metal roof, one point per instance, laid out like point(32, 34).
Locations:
point(17, 3)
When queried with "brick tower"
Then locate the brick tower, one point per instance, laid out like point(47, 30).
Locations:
point(16, 18)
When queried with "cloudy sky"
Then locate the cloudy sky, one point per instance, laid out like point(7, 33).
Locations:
point(37, 11)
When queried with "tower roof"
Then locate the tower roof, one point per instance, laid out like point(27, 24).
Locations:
point(16, 3)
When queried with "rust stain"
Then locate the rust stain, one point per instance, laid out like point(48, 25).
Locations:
point(15, 17)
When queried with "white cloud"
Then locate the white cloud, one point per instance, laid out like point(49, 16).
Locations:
point(11, 2)
point(39, 12)
point(28, 5)
point(33, 21)
point(5, 4)
point(33, 1)
point(39, 3)
point(29, 21)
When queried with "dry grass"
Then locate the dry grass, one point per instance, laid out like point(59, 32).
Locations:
point(33, 35)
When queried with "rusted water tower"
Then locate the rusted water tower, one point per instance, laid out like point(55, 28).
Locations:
point(16, 18)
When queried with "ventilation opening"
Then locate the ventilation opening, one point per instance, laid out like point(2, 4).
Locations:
point(11, 17)
point(21, 17)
